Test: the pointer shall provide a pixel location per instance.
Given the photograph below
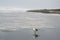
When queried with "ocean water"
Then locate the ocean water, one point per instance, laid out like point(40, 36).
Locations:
point(18, 26)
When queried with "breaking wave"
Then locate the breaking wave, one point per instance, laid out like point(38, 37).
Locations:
point(11, 9)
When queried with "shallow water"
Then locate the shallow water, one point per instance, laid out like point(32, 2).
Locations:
point(18, 26)
point(27, 34)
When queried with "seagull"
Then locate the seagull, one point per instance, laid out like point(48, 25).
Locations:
point(35, 35)
point(35, 29)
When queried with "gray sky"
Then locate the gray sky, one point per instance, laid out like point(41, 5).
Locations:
point(30, 4)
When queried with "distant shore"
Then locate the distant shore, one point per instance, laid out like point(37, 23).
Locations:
point(46, 11)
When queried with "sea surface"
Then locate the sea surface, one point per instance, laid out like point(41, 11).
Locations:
point(19, 25)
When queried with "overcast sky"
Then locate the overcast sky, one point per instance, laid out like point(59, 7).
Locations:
point(30, 4)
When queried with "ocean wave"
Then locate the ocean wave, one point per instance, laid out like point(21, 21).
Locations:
point(14, 29)
point(13, 21)
point(11, 9)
